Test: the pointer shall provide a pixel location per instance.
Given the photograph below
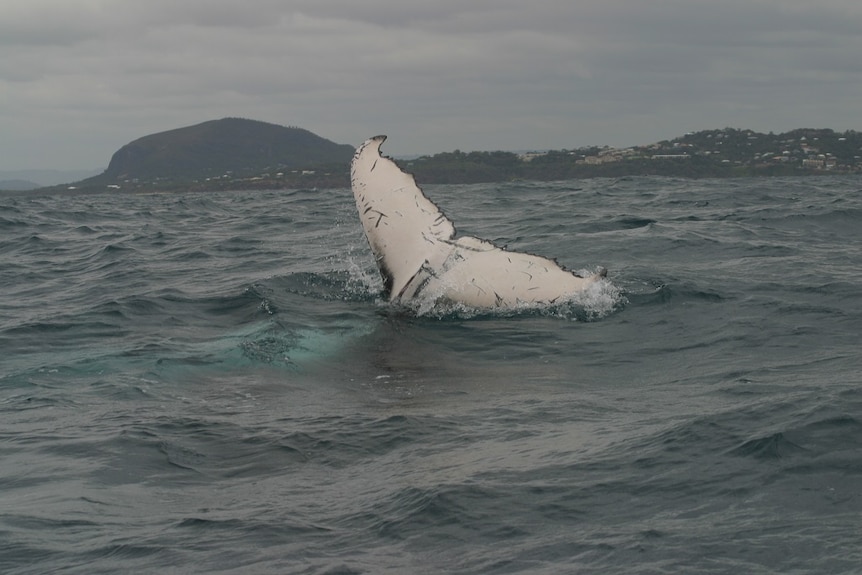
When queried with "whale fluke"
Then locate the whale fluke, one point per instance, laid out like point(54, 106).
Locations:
point(417, 251)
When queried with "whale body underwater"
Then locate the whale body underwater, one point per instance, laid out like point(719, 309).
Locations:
point(419, 256)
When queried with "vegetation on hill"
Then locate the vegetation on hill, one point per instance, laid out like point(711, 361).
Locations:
point(710, 153)
point(235, 147)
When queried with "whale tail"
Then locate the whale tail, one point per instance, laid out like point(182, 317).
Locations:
point(417, 252)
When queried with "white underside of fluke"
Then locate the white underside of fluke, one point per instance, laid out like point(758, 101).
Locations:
point(417, 251)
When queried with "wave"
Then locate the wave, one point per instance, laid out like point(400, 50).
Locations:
point(646, 294)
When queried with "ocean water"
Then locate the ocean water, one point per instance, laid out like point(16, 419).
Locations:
point(210, 383)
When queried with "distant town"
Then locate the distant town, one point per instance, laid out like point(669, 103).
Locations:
point(712, 153)
point(821, 150)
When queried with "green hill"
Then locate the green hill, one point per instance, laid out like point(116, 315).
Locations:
point(234, 146)
point(707, 154)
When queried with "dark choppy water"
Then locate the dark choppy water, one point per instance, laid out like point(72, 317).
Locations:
point(207, 383)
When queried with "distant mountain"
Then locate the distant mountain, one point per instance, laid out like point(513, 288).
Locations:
point(234, 146)
point(39, 178)
point(18, 185)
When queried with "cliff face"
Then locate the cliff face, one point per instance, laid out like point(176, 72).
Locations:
point(216, 147)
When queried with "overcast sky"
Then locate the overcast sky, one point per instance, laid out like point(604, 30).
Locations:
point(80, 78)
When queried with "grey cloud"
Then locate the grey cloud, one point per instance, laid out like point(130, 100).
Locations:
point(485, 74)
